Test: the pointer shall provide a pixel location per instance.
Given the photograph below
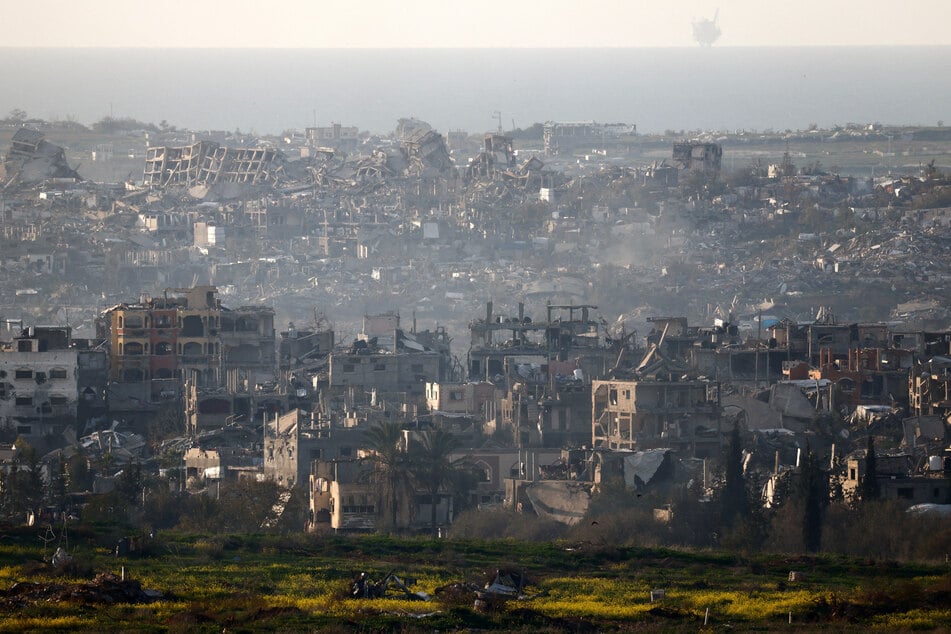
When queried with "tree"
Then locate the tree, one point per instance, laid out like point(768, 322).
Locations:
point(869, 488)
point(433, 468)
point(78, 476)
point(6, 494)
point(129, 484)
point(22, 487)
point(31, 482)
point(56, 493)
point(391, 469)
point(735, 503)
point(17, 116)
point(813, 491)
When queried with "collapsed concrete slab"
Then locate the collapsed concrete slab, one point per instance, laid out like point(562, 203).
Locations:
point(32, 159)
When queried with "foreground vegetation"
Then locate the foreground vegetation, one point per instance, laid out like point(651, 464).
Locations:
point(300, 583)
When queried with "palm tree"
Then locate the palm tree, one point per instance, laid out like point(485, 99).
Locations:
point(391, 468)
point(433, 467)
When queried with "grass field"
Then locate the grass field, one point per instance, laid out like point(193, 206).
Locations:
point(299, 583)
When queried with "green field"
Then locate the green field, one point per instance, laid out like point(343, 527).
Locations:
point(300, 583)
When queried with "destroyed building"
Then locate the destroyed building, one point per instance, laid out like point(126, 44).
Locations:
point(497, 156)
point(39, 388)
point(158, 344)
point(929, 387)
point(32, 159)
point(342, 497)
point(350, 233)
point(896, 478)
point(207, 163)
point(301, 349)
point(291, 443)
point(426, 152)
point(385, 359)
point(335, 136)
point(566, 136)
point(544, 368)
point(869, 376)
point(693, 156)
point(473, 398)
point(569, 332)
point(661, 405)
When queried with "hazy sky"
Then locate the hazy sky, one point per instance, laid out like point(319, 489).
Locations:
point(468, 23)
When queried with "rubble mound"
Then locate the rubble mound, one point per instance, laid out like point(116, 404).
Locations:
point(106, 588)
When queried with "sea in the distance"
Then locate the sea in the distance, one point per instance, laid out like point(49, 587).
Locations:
point(271, 90)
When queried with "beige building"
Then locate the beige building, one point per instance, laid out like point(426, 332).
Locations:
point(645, 414)
point(460, 398)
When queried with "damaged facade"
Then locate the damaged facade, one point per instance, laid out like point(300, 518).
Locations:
point(207, 163)
point(660, 406)
point(698, 157)
point(33, 159)
point(565, 136)
point(39, 381)
point(186, 337)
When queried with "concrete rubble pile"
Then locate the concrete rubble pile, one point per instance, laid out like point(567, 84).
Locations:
point(32, 159)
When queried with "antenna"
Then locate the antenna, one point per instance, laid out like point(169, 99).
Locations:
point(498, 115)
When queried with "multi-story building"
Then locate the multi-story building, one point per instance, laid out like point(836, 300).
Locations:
point(186, 335)
point(384, 372)
point(661, 405)
point(460, 398)
point(386, 359)
point(344, 497)
point(335, 135)
point(646, 414)
point(39, 388)
point(569, 332)
point(291, 443)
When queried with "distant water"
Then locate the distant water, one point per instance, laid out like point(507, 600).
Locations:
point(267, 90)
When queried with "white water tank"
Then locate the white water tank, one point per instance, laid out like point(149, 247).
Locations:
point(935, 463)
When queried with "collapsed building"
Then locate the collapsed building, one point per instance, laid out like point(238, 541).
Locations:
point(32, 159)
point(544, 368)
point(427, 153)
point(339, 230)
point(565, 136)
point(694, 156)
point(207, 163)
point(209, 166)
point(497, 157)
